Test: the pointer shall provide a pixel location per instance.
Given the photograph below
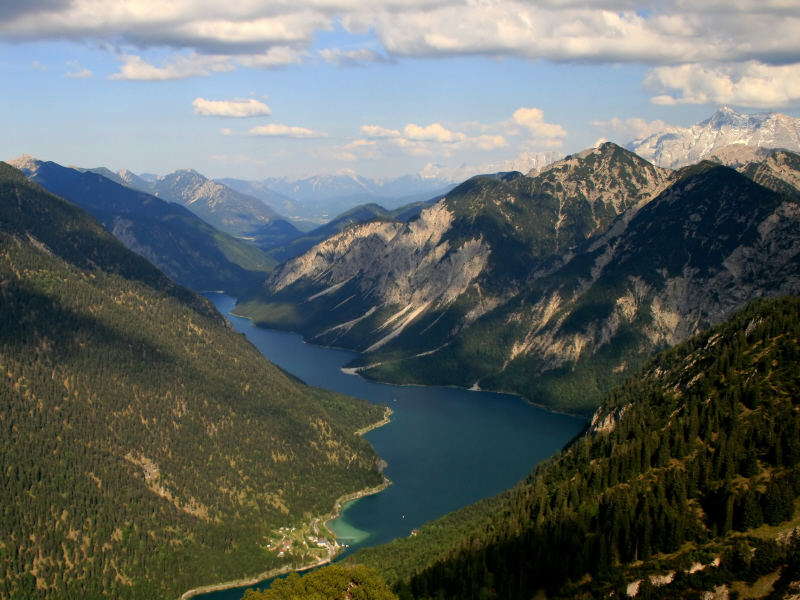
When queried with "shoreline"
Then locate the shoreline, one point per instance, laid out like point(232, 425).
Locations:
point(342, 500)
point(387, 414)
point(324, 519)
point(359, 372)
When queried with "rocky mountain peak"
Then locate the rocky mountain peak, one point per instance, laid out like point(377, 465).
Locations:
point(725, 116)
point(25, 163)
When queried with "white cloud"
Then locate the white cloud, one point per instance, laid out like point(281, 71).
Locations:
point(751, 84)
point(533, 120)
point(338, 57)
point(421, 140)
point(435, 138)
point(239, 107)
point(435, 132)
point(624, 130)
point(76, 71)
point(276, 130)
point(376, 131)
point(177, 67)
point(640, 31)
point(488, 142)
point(274, 58)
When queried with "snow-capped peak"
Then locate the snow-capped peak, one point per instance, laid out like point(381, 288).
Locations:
point(678, 146)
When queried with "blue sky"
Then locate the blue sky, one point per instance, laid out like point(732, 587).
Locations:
point(254, 89)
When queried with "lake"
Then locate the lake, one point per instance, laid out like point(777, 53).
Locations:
point(445, 447)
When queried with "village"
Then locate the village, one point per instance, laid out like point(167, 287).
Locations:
point(302, 544)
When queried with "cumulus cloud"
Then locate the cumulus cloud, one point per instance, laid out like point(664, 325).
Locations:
point(436, 138)
point(533, 120)
point(602, 31)
point(435, 132)
point(376, 131)
point(338, 57)
point(276, 130)
point(635, 128)
point(641, 31)
point(422, 140)
point(745, 53)
point(134, 68)
point(239, 107)
point(752, 84)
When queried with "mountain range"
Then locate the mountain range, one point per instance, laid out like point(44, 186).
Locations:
point(319, 198)
point(553, 286)
point(181, 244)
point(222, 207)
point(148, 448)
point(681, 146)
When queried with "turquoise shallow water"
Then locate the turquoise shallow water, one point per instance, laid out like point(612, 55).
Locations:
point(445, 447)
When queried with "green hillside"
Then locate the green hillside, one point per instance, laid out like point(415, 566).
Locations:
point(145, 447)
point(696, 458)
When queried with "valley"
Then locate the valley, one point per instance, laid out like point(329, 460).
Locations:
point(555, 286)
point(444, 448)
point(576, 382)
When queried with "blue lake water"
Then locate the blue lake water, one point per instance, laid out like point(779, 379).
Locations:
point(445, 447)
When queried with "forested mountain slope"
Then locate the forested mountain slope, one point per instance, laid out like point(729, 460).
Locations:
point(145, 446)
point(181, 244)
point(689, 473)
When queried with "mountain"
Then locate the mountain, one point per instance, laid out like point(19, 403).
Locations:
point(319, 197)
point(553, 287)
point(686, 485)
point(360, 214)
point(411, 289)
point(226, 209)
point(678, 147)
point(179, 243)
point(779, 171)
point(146, 447)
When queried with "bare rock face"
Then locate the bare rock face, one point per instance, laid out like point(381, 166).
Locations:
point(474, 251)
point(404, 268)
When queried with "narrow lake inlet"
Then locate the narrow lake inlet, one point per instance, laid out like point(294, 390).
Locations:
point(445, 447)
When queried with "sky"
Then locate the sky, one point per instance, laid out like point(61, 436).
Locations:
point(254, 88)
